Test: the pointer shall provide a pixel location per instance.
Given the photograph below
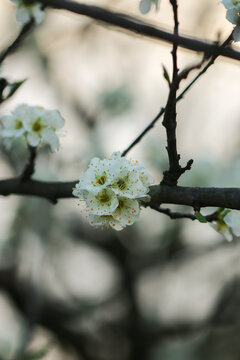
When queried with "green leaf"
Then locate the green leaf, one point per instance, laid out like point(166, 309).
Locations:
point(166, 75)
point(12, 88)
point(200, 217)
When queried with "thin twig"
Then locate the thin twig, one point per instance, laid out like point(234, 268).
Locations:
point(171, 176)
point(180, 97)
point(178, 215)
point(25, 29)
point(30, 167)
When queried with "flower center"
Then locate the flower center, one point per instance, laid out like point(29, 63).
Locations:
point(122, 183)
point(103, 197)
point(18, 124)
point(37, 126)
point(121, 204)
point(101, 180)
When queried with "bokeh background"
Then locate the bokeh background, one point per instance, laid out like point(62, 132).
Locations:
point(161, 289)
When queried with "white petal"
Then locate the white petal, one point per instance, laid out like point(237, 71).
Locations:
point(127, 212)
point(145, 6)
point(51, 138)
point(232, 16)
point(38, 14)
point(98, 207)
point(232, 219)
point(7, 121)
point(228, 4)
point(116, 155)
point(54, 119)
point(23, 16)
point(222, 229)
point(236, 33)
point(33, 139)
point(107, 221)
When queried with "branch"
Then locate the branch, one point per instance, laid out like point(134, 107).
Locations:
point(179, 97)
point(30, 167)
point(195, 197)
point(171, 176)
point(51, 191)
point(139, 27)
point(25, 29)
point(177, 215)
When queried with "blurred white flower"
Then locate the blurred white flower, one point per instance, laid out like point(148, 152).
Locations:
point(26, 12)
point(233, 15)
point(35, 123)
point(232, 219)
point(112, 189)
point(229, 4)
point(145, 5)
point(228, 223)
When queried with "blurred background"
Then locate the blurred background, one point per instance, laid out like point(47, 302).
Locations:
point(161, 289)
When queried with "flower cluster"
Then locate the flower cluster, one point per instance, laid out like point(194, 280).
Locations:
point(233, 15)
point(35, 123)
point(112, 189)
point(145, 5)
point(26, 12)
point(228, 223)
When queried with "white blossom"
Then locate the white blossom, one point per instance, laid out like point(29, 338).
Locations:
point(129, 178)
point(103, 203)
point(230, 4)
point(35, 123)
point(112, 189)
point(233, 15)
point(228, 223)
point(232, 219)
point(145, 5)
point(125, 214)
point(25, 12)
point(127, 211)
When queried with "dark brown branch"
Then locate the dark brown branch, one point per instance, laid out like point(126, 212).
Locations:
point(142, 28)
point(48, 190)
point(195, 197)
point(171, 176)
point(30, 167)
point(178, 215)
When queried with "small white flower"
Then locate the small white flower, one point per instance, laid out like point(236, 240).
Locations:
point(97, 177)
point(127, 211)
point(25, 12)
point(103, 203)
point(112, 190)
point(145, 5)
point(12, 125)
point(232, 219)
point(129, 179)
point(35, 123)
point(233, 15)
